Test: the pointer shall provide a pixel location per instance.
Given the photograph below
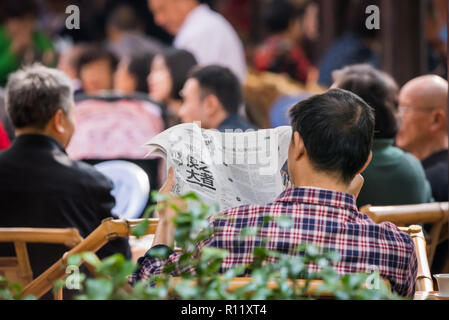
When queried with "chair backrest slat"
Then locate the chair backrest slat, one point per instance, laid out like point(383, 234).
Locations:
point(18, 268)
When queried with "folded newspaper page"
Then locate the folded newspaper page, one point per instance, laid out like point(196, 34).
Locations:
point(226, 168)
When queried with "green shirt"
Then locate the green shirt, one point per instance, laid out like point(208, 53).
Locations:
point(393, 177)
point(9, 62)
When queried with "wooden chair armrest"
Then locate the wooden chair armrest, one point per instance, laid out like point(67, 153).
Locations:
point(109, 229)
point(68, 236)
point(408, 214)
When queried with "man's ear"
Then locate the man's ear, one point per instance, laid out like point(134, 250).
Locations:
point(211, 104)
point(58, 121)
point(298, 146)
point(370, 157)
point(438, 120)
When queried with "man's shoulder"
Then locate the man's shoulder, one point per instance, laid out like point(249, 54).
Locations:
point(399, 239)
point(410, 164)
point(90, 174)
point(205, 22)
point(248, 210)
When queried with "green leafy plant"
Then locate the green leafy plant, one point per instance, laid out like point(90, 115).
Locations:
point(198, 274)
point(12, 291)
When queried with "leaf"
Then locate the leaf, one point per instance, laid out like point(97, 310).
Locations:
point(185, 289)
point(159, 253)
point(284, 222)
point(74, 260)
point(160, 197)
point(248, 231)
point(190, 196)
point(141, 229)
point(99, 289)
point(209, 253)
point(91, 258)
point(149, 211)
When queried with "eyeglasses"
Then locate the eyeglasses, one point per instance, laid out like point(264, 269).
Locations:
point(402, 109)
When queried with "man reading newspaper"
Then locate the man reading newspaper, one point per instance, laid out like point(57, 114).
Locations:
point(329, 147)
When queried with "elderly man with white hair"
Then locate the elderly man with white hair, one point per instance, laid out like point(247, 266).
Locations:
point(41, 187)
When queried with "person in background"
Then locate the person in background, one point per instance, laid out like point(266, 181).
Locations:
point(125, 34)
point(131, 74)
point(212, 95)
point(20, 42)
point(394, 177)
point(423, 128)
point(41, 186)
point(200, 30)
point(356, 45)
point(67, 63)
point(167, 77)
point(332, 135)
point(423, 132)
point(95, 69)
point(281, 52)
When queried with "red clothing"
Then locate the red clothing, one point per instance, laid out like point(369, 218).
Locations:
point(4, 140)
point(280, 56)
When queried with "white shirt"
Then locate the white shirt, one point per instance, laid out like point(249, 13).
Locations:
point(212, 40)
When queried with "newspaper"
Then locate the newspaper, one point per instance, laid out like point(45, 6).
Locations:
point(225, 168)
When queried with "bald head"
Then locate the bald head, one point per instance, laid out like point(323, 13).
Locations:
point(423, 116)
point(429, 91)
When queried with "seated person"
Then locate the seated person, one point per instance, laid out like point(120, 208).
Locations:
point(125, 35)
point(393, 177)
point(95, 69)
point(131, 75)
point(280, 52)
point(356, 44)
point(166, 78)
point(330, 147)
point(423, 133)
point(212, 96)
point(423, 129)
point(41, 187)
point(202, 31)
point(115, 128)
point(21, 42)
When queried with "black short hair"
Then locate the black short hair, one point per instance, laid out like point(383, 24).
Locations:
point(337, 129)
point(179, 63)
point(95, 53)
point(139, 67)
point(278, 15)
point(221, 82)
point(378, 89)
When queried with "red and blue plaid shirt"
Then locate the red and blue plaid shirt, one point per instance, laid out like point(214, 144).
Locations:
point(327, 219)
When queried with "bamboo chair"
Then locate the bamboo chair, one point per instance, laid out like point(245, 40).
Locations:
point(404, 215)
point(18, 269)
point(109, 229)
point(424, 282)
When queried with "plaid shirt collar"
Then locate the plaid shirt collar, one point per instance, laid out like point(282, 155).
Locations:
point(319, 196)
